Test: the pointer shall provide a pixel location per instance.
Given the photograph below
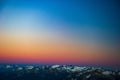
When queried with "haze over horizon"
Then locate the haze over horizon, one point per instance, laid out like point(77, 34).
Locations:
point(60, 32)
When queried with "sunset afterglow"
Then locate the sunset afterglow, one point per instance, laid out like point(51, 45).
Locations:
point(41, 32)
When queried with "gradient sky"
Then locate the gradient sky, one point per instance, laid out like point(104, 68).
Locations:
point(60, 32)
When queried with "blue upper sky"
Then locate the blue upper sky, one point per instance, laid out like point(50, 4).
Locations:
point(99, 18)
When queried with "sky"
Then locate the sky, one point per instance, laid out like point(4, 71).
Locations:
point(60, 32)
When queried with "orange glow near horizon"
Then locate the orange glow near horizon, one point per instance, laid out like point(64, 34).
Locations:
point(37, 50)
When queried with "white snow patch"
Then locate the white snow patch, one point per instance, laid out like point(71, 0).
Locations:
point(8, 66)
point(76, 68)
point(20, 68)
point(37, 69)
point(88, 76)
point(119, 73)
point(55, 66)
point(30, 67)
point(106, 73)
